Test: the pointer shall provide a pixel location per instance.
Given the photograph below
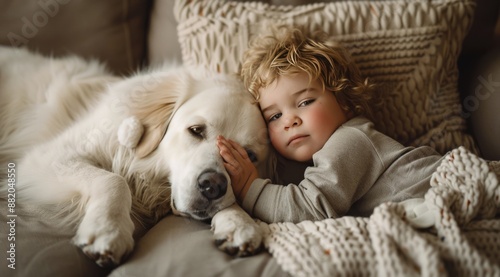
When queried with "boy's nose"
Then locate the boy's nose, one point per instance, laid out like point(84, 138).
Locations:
point(292, 121)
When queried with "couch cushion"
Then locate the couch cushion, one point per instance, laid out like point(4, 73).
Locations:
point(179, 246)
point(409, 48)
point(163, 43)
point(36, 244)
point(112, 31)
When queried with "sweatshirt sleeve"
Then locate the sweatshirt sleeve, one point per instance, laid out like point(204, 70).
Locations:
point(344, 169)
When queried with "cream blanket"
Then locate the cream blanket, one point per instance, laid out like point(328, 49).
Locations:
point(464, 239)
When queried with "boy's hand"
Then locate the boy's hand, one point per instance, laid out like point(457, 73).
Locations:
point(237, 163)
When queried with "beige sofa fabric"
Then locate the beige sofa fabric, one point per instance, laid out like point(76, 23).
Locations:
point(176, 246)
point(179, 246)
point(163, 42)
point(41, 246)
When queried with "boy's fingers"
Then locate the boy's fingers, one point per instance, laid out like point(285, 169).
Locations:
point(228, 145)
point(224, 144)
point(235, 152)
point(239, 149)
point(229, 167)
point(221, 141)
point(228, 157)
point(234, 149)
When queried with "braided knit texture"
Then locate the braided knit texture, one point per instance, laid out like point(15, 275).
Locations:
point(464, 199)
point(409, 48)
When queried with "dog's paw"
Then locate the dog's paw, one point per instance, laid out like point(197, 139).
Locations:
point(238, 239)
point(237, 235)
point(105, 243)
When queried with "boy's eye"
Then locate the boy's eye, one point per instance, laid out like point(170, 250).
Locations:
point(274, 117)
point(306, 102)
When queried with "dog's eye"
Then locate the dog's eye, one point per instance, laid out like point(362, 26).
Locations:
point(251, 155)
point(197, 131)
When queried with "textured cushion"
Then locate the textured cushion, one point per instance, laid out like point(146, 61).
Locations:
point(112, 31)
point(409, 48)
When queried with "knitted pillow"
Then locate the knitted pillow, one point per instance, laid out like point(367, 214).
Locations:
point(409, 48)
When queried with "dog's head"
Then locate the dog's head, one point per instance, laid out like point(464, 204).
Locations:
point(182, 133)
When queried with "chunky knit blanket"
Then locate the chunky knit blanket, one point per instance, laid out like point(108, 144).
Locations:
point(462, 239)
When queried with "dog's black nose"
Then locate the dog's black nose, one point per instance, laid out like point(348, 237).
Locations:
point(212, 185)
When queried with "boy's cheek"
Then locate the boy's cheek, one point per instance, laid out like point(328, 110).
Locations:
point(273, 137)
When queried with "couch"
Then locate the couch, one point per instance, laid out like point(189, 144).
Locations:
point(128, 35)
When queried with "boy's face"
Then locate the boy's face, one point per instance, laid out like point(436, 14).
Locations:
point(300, 116)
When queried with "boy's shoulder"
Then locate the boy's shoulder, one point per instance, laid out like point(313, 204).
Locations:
point(355, 131)
point(359, 132)
point(359, 122)
point(353, 141)
point(354, 127)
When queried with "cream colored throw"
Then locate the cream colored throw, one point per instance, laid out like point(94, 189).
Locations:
point(464, 201)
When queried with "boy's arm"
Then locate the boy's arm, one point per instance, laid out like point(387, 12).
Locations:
point(344, 169)
point(341, 175)
point(291, 203)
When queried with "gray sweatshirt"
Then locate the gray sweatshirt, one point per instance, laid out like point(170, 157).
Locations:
point(357, 169)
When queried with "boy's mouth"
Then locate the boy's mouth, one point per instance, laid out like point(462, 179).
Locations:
point(296, 138)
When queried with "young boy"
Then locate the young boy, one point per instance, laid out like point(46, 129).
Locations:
point(316, 105)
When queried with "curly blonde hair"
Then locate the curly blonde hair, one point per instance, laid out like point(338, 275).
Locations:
point(292, 49)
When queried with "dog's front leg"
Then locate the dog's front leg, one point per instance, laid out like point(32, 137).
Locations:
point(105, 232)
point(236, 233)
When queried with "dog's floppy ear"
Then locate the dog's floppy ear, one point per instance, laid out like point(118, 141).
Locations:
point(155, 108)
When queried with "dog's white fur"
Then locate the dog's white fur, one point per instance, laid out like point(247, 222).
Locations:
point(59, 121)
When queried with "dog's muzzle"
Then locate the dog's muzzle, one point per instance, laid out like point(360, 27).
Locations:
point(212, 185)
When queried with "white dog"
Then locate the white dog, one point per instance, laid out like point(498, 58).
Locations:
point(60, 119)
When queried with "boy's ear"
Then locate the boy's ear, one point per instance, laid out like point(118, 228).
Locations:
point(155, 109)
